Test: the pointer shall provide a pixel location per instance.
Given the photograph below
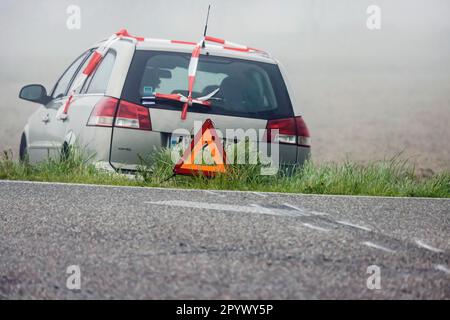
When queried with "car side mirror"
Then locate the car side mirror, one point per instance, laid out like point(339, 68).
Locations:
point(35, 93)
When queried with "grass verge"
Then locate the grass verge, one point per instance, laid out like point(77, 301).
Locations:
point(393, 177)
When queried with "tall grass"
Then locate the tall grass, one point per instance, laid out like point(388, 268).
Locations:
point(391, 177)
point(74, 168)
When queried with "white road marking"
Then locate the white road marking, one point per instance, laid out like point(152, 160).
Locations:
point(281, 212)
point(221, 207)
point(349, 224)
point(254, 205)
point(376, 246)
point(317, 213)
point(300, 211)
point(305, 211)
point(315, 227)
point(442, 268)
point(428, 247)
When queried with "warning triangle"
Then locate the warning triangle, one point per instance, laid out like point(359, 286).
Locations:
point(206, 140)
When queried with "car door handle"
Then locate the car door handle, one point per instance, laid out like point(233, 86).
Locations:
point(46, 118)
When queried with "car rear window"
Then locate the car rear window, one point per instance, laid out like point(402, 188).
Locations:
point(246, 88)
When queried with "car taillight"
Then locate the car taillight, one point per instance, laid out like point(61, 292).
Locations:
point(290, 131)
point(133, 116)
point(129, 115)
point(303, 137)
point(103, 113)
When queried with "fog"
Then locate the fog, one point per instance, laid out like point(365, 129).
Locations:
point(365, 94)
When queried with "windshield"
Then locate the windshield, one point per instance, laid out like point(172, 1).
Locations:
point(246, 88)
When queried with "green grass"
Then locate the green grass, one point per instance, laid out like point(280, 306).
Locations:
point(393, 177)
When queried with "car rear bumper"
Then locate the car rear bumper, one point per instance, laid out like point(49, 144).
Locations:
point(130, 147)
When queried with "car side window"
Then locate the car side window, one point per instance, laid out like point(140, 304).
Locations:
point(80, 71)
point(100, 79)
point(66, 79)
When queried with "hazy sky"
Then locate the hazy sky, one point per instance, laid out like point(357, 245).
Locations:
point(315, 31)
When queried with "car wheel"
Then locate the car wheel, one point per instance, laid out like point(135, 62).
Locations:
point(23, 150)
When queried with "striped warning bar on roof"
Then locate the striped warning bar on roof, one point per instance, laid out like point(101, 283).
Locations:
point(100, 53)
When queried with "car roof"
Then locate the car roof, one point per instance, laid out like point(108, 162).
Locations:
point(215, 50)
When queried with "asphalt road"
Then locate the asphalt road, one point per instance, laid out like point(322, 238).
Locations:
point(194, 244)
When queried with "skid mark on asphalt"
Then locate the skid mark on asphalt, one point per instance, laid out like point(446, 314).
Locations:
point(428, 247)
point(376, 246)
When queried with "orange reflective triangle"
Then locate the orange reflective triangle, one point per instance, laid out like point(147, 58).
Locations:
point(207, 136)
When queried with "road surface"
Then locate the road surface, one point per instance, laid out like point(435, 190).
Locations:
point(136, 243)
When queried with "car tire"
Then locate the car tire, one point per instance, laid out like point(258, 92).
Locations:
point(23, 150)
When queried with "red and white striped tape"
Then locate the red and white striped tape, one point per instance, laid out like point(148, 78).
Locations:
point(100, 52)
point(165, 41)
point(94, 61)
point(192, 72)
point(228, 45)
point(181, 98)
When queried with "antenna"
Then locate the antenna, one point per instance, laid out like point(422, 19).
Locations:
point(206, 26)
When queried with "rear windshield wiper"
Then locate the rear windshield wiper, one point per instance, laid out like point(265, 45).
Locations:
point(204, 101)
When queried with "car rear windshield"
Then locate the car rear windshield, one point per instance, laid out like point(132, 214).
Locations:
point(246, 88)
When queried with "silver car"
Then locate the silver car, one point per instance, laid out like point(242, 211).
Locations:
point(115, 117)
